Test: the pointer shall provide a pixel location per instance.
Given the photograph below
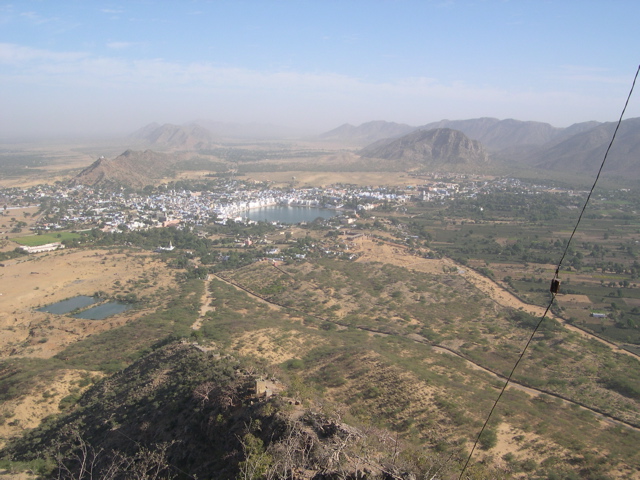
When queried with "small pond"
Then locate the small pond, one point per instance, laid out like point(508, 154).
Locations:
point(69, 305)
point(103, 311)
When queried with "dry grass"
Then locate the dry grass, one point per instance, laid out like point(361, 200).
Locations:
point(28, 410)
point(274, 345)
point(43, 279)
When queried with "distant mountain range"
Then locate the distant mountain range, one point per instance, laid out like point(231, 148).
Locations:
point(583, 152)
point(204, 134)
point(460, 145)
point(494, 134)
point(578, 148)
point(501, 134)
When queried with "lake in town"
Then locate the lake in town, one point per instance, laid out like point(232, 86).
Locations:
point(286, 214)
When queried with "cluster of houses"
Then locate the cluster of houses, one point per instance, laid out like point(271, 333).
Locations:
point(68, 207)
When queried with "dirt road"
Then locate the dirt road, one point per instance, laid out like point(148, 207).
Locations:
point(205, 304)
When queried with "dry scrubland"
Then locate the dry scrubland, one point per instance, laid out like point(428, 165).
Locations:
point(42, 279)
point(376, 366)
point(377, 389)
point(416, 345)
point(38, 280)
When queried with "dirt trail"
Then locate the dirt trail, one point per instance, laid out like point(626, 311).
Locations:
point(205, 304)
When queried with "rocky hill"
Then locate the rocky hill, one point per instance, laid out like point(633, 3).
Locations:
point(181, 412)
point(493, 133)
point(174, 137)
point(584, 151)
point(502, 134)
point(131, 168)
point(439, 148)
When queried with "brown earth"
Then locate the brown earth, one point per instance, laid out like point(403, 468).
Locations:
point(274, 345)
point(205, 304)
point(318, 179)
point(42, 279)
point(28, 410)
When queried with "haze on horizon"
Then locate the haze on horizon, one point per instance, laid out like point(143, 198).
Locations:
point(102, 68)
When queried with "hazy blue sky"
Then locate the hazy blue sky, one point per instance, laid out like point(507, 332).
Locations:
point(93, 66)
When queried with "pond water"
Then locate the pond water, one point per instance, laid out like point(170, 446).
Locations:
point(286, 214)
point(66, 306)
point(103, 311)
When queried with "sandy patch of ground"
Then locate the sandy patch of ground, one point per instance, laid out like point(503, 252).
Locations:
point(43, 279)
point(273, 344)
point(519, 445)
point(7, 475)
point(576, 299)
point(28, 410)
point(318, 179)
point(205, 306)
point(371, 250)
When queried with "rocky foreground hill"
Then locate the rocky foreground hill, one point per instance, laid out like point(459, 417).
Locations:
point(182, 412)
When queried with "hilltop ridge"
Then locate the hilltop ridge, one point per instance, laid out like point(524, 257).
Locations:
point(438, 148)
point(131, 168)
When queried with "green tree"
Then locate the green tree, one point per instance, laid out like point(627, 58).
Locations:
point(256, 462)
point(489, 439)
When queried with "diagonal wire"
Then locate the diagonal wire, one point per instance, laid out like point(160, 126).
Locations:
point(554, 282)
point(606, 154)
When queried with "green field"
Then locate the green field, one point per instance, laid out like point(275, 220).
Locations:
point(36, 240)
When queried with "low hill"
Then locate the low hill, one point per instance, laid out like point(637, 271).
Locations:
point(131, 168)
point(439, 148)
point(248, 131)
point(174, 137)
point(367, 132)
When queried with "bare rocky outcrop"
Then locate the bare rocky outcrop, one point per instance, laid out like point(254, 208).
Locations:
point(441, 147)
point(131, 168)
